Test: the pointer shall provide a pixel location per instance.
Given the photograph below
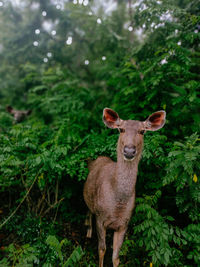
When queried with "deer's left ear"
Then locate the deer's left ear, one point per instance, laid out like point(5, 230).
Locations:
point(28, 112)
point(155, 121)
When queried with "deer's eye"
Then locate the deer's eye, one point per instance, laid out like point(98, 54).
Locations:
point(121, 130)
point(141, 132)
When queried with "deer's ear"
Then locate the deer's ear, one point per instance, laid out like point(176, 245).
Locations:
point(28, 112)
point(111, 118)
point(155, 121)
point(9, 109)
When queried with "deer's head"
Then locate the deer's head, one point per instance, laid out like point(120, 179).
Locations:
point(19, 115)
point(130, 141)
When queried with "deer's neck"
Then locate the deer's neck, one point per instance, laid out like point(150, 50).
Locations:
point(126, 176)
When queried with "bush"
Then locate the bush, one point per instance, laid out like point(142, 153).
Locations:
point(44, 158)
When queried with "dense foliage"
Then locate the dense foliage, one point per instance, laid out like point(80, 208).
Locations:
point(136, 58)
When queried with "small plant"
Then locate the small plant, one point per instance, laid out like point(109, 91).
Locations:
point(57, 247)
point(25, 255)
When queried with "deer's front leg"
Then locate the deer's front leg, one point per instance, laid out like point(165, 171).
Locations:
point(117, 243)
point(101, 233)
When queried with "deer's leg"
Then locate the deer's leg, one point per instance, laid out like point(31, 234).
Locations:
point(101, 233)
point(117, 243)
point(88, 223)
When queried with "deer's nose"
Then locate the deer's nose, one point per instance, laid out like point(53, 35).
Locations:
point(129, 151)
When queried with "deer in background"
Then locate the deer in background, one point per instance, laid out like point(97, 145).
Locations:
point(109, 190)
point(19, 115)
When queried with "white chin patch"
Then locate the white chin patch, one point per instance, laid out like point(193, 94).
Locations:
point(129, 159)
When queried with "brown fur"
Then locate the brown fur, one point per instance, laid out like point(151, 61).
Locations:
point(19, 115)
point(109, 191)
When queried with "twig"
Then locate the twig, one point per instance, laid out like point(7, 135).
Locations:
point(56, 213)
point(13, 213)
point(56, 192)
point(48, 197)
point(40, 201)
point(84, 139)
point(52, 206)
point(27, 199)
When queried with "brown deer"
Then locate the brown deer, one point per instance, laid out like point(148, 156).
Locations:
point(19, 115)
point(109, 191)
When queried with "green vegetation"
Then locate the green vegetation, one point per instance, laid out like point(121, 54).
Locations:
point(43, 160)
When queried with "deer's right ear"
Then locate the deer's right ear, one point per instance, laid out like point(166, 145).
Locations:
point(9, 109)
point(111, 118)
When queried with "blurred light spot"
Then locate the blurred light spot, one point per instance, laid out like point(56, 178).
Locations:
point(87, 62)
point(158, 2)
point(161, 24)
point(143, 26)
point(166, 16)
point(179, 43)
point(103, 58)
point(130, 28)
point(35, 6)
point(49, 54)
point(143, 7)
point(69, 40)
point(45, 60)
point(153, 24)
point(99, 21)
point(1, 4)
point(75, 2)
point(58, 6)
point(164, 61)
point(90, 13)
point(53, 32)
point(46, 25)
point(35, 43)
point(37, 31)
point(85, 2)
point(80, 2)
point(196, 31)
point(44, 13)
point(139, 31)
point(176, 31)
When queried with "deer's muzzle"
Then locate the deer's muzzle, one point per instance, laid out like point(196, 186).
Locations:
point(129, 152)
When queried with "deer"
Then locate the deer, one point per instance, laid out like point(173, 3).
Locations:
point(19, 115)
point(109, 190)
